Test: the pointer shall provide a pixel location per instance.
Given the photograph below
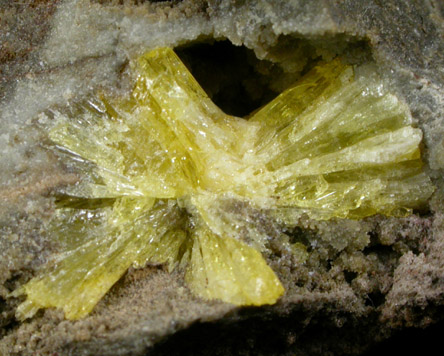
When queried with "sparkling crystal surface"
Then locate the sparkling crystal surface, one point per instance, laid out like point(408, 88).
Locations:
point(162, 166)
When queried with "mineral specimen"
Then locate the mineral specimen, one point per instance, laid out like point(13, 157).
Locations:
point(162, 166)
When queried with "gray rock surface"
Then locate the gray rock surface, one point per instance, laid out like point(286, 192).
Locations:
point(363, 280)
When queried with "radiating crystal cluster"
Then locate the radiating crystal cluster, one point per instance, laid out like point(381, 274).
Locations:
point(163, 167)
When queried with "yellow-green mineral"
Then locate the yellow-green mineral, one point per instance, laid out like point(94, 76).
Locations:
point(162, 165)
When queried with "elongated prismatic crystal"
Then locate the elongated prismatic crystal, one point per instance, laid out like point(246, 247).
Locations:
point(164, 170)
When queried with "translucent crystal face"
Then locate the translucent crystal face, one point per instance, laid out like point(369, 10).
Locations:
point(163, 167)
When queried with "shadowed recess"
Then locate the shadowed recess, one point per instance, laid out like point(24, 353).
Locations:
point(232, 76)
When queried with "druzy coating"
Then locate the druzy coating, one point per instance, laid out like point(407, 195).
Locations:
point(163, 167)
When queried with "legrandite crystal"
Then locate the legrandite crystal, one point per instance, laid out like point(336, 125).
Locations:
point(165, 168)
